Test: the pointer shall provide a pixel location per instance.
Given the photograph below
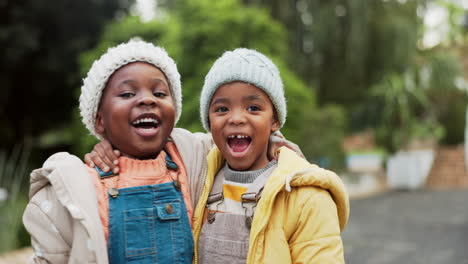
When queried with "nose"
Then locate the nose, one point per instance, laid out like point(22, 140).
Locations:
point(237, 117)
point(147, 99)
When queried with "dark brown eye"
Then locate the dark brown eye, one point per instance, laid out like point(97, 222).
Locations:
point(221, 109)
point(253, 108)
point(127, 95)
point(160, 94)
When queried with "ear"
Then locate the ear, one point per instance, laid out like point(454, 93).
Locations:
point(275, 125)
point(99, 125)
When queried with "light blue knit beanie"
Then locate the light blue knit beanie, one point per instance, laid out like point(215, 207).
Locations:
point(248, 66)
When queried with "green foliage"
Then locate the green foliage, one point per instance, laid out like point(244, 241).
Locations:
point(395, 31)
point(349, 49)
point(447, 96)
point(422, 103)
point(455, 19)
point(321, 136)
point(444, 68)
point(400, 98)
point(343, 47)
point(421, 100)
point(318, 131)
point(224, 25)
point(453, 119)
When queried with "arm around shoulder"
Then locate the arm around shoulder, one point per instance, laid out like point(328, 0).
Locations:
point(193, 148)
point(187, 141)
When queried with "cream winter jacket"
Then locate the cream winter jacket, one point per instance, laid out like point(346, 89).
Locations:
point(62, 215)
point(299, 217)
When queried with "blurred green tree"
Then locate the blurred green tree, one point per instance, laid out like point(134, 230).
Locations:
point(344, 48)
point(446, 90)
point(407, 115)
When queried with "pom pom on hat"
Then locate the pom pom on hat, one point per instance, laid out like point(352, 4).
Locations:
point(248, 66)
point(114, 59)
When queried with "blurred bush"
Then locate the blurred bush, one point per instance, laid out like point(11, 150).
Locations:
point(424, 103)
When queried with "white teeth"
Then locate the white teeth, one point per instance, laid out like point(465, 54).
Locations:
point(238, 136)
point(145, 120)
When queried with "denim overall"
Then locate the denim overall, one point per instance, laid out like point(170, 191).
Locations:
point(149, 224)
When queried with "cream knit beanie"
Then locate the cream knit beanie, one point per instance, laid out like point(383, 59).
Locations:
point(111, 61)
point(247, 66)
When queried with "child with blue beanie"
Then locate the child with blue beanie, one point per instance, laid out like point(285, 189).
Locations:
point(252, 209)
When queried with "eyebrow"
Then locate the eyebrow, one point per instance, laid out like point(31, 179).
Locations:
point(128, 81)
point(160, 81)
point(220, 101)
point(253, 97)
point(155, 80)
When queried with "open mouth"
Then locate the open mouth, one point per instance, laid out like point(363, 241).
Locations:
point(147, 125)
point(238, 143)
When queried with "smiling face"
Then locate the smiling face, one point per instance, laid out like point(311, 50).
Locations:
point(241, 120)
point(136, 113)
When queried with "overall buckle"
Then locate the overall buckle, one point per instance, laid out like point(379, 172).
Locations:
point(217, 198)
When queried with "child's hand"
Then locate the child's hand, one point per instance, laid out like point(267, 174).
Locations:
point(104, 157)
point(277, 140)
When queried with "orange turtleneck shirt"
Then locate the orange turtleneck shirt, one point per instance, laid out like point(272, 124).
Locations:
point(138, 173)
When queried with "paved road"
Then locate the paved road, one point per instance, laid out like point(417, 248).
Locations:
point(408, 227)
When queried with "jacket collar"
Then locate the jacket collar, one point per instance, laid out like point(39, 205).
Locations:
point(294, 171)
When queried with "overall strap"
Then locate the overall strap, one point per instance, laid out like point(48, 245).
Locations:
point(170, 164)
point(216, 193)
point(216, 196)
point(251, 197)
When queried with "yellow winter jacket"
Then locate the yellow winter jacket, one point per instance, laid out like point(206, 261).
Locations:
point(299, 218)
